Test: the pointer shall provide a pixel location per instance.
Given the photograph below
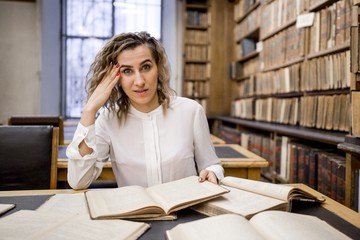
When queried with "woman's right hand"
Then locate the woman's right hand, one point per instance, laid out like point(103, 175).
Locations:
point(99, 97)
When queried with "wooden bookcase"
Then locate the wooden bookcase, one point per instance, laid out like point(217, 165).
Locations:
point(197, 51)
point(351, 145)
point(206, 53)
point(293, 87)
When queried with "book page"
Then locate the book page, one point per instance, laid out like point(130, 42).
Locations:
point(28, 221)
point(226, 226)
point(285, 225)
point(268, 189)
point(6, 207)
point(240, 202)
point(66, 203)
point(87, 229)
point(55, 225)
point(185, 192)
point(119, 201)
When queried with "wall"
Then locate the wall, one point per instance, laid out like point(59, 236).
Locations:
point(19, 61)
point(50, 57)
point(30, 62)
point(172, 19)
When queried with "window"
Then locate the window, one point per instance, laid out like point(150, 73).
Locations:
point(87, 25)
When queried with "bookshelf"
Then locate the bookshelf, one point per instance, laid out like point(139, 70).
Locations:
point(197, 54)
point(351, 145)
point(293, 91)
point(204, 62)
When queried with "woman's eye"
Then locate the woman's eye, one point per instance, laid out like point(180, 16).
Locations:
point(127, 71)
point(146, 67)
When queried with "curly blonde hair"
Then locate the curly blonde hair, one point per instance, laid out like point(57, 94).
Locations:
point(118, 101)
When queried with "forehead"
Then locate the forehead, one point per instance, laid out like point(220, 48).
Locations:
point(135, 56)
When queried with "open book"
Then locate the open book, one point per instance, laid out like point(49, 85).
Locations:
point(6, 207)
point(136, 202)
point(248, 197)
point(28, 224)
point(74, 203)
point(265, 225)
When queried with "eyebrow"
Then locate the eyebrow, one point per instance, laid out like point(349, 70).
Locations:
point(146, 60)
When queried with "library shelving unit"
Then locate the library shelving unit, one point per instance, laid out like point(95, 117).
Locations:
point(197, 50)
point(293, 99)
point(352, 141)
point(205, 54)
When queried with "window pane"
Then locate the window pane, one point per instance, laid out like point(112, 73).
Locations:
point(89, 24)
point(89, 18)
point(80, 54)
point(138, 15)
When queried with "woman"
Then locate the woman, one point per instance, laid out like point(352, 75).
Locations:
point(150, 135)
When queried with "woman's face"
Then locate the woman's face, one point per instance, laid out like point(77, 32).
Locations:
point(138, 77)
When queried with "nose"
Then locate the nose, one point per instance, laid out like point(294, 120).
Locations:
point(139, 80)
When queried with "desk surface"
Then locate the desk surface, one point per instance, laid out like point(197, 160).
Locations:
point(337, 215)
point(236, 160)
point(216, 140)
point(230, 155)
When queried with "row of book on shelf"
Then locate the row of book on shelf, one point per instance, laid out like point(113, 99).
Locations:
point(285, 46)
point(235, 206)
point(250, 24)
point(197, 18)
point(322, 73)
point(330, 112)
point(243, 7)
point(197, 53)
point(280, 13)
point(196, 88)
point(330, 29)
point(294, 161)
point(197, 37)
point(197, 71)
point(330, 25)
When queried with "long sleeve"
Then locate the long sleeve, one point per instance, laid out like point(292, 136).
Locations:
point(83, 170)
point(205, 155)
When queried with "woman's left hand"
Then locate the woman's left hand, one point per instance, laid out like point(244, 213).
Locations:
point(207, 175)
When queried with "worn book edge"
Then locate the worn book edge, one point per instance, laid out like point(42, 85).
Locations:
point(5, 207)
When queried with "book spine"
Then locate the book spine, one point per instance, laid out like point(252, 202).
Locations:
point(313, 168)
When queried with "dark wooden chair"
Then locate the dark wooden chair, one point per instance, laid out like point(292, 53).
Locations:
point(56, 121)
point(28, 157)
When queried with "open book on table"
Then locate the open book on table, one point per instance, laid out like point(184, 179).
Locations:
point(29, 224)
point(6, 207)
point(248, 197)
point(265, 225)
point(135, 202)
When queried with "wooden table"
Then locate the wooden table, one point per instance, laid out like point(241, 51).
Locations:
point(216, 140)
point(236, 160)
point(240, 162)
point(336, 210)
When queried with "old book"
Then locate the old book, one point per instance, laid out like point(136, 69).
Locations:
point(74, 203)
point(355, 105)
point(28, 224)
point(6, 207)
point(136, 202)
point(265, 225)
point(249, 197)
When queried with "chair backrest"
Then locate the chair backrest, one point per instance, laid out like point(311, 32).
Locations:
point(56, 121)
point(28, 157)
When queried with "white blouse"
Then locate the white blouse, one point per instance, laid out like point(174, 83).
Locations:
point(150, 148)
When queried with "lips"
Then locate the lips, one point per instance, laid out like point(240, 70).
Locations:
point(141, 91)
